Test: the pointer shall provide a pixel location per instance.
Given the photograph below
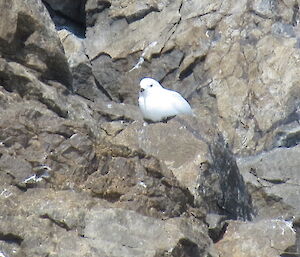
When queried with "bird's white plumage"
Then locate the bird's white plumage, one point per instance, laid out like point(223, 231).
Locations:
point(158, 103)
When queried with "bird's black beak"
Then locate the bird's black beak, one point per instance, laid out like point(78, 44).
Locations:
point(142, 90)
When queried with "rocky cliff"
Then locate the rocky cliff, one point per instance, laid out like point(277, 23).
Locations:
point(81, 173)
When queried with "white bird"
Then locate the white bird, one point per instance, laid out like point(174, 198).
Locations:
point(158, 103)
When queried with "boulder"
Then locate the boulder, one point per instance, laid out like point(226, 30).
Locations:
point(28, 37)
point(263, 238)
point(273, 179)
point(199, 160)
point(117, 232)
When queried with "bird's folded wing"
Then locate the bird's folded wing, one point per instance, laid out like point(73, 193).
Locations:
point(180, 104)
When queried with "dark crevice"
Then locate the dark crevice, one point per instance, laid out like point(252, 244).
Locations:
point(290, 140)
point(91, 15)
point(63, 134)
point(112, 117)
point(234, 200)
point(111, 197)
point(109, 134)
point(102, 89)
point(182, 59)
point(275, 181)
point(166, 183)
point(190, 68)
point(57, 222)
point(259, 15)
point(287, 139)
point(26, 26)
point(140, 15)
point(217, 235)
point(154, 173)
point(202, 14)
point(21, 187)
point(62, 21)
point(293, 116)
point(162, 81)
point(180, 7)
point(93, 166)
point(295, 18)
point(53, 107)
point(272, 181)
point(11, 238)
point(175, 25)
point(186, 247)
point(5, 81)
point(105, 55)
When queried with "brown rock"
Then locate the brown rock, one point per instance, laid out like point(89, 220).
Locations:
point(198, 159)
point(26, 29)
point(82, 175)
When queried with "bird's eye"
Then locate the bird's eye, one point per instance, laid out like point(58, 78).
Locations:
point(151, 85)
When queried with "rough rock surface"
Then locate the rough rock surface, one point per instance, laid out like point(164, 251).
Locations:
point(231, 55)
point(28, 37)
point(84, 82)
point(201, 162)
point(273, 178)
point(266, 238)
point(119, 232)
point(81, 174)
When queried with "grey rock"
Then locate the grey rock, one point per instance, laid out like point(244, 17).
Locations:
point(84, 82)
point(112, 111)
point(18, 169)
point(273, 178)
point(264, 238)
point(121, 24)
point(45, 222)
point(118, 232)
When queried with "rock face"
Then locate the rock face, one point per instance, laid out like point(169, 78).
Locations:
point(81, 174)
point(228, 51)
point(275, 180)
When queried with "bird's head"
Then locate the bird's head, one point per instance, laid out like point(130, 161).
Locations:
point(147, 84)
